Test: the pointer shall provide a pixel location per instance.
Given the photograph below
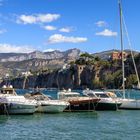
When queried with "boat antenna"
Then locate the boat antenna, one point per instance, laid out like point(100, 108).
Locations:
point(122, 48)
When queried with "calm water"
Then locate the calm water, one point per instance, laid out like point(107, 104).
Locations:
point(103, 125)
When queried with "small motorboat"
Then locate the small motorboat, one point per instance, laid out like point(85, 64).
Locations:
point(108, 99)
point(46, 104)
point(11, 103)
point(77, 102)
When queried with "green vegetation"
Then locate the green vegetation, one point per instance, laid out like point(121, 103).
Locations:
point(87, 71)
point(131, 80)
point(110, 75)
point(87, 55)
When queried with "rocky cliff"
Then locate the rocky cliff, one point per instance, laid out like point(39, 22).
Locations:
point(92, 73)
point(14, 63)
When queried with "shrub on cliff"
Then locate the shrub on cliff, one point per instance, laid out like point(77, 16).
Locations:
point(131, 80)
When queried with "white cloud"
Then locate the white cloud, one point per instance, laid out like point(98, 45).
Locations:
point(58, 38)
point(101, 23)
point(37, 18)
point(106, 32)
point(2, 31)
point(8, 48)
point(66, 29)
point(49, 28)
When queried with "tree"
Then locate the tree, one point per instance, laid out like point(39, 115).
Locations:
point(131, 80)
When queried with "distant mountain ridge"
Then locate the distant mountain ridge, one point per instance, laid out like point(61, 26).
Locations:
point(107, 54)
point(16, 57)
point(15, 63)
point(56, 54)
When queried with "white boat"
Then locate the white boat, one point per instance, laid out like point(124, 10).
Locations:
point(15, 104)
point(130, 104)
point(77, 102)
point(108, 100)
point(46, 104)
point(126, 103)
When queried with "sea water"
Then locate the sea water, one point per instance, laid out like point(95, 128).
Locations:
point(101, 125)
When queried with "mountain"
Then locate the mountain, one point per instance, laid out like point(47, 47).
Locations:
point(15, 57)
point(15, 63)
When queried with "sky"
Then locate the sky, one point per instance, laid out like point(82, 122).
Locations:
point(47, 25)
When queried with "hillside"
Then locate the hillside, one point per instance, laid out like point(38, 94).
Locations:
point(105, 55)
point(15, 63)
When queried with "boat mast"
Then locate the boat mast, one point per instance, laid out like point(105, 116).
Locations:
point(122, 48)
point(129, 43)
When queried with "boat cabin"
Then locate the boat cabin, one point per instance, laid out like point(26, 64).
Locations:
point(100, 94)
point(67, 94)
point(7, 90)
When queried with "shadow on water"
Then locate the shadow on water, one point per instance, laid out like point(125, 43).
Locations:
point(41, 116)
point(3, 119)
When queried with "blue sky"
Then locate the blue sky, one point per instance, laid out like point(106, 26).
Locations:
point(45, 25)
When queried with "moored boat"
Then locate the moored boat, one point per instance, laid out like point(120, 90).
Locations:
point(108, 99)
point(11, 103)
point(77, 102)
point(46, 104)
point(126, 103)
point(129, 104)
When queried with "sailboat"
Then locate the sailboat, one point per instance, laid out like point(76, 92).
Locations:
point(132, 104)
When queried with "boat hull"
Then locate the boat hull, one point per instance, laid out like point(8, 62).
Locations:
point(83, 105)
point(17, 109)
point(52, 106)
point(101, 106)
point(130, 104)
point(80, 107)
point(21, 108)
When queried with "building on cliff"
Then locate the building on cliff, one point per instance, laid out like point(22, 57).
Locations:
point(117, 55)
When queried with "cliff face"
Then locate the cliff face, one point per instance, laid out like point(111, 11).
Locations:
point(91, 74)
point(77, 76)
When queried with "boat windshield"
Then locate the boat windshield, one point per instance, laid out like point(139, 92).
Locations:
point(7, 91)
point(102, 95)
point(72, 95)
point(91, 95)
point(65, 96)
point(111, 94)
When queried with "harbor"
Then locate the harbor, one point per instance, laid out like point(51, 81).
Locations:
point(77, 125)
point(25, 102)
point(68, 73)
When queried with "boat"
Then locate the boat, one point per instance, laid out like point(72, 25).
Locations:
point(132, 104)
point(11, 103)
point(108, 100)
point(77, 102)
point(46, 104)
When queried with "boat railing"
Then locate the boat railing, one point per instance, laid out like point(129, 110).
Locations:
point(18, 101)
